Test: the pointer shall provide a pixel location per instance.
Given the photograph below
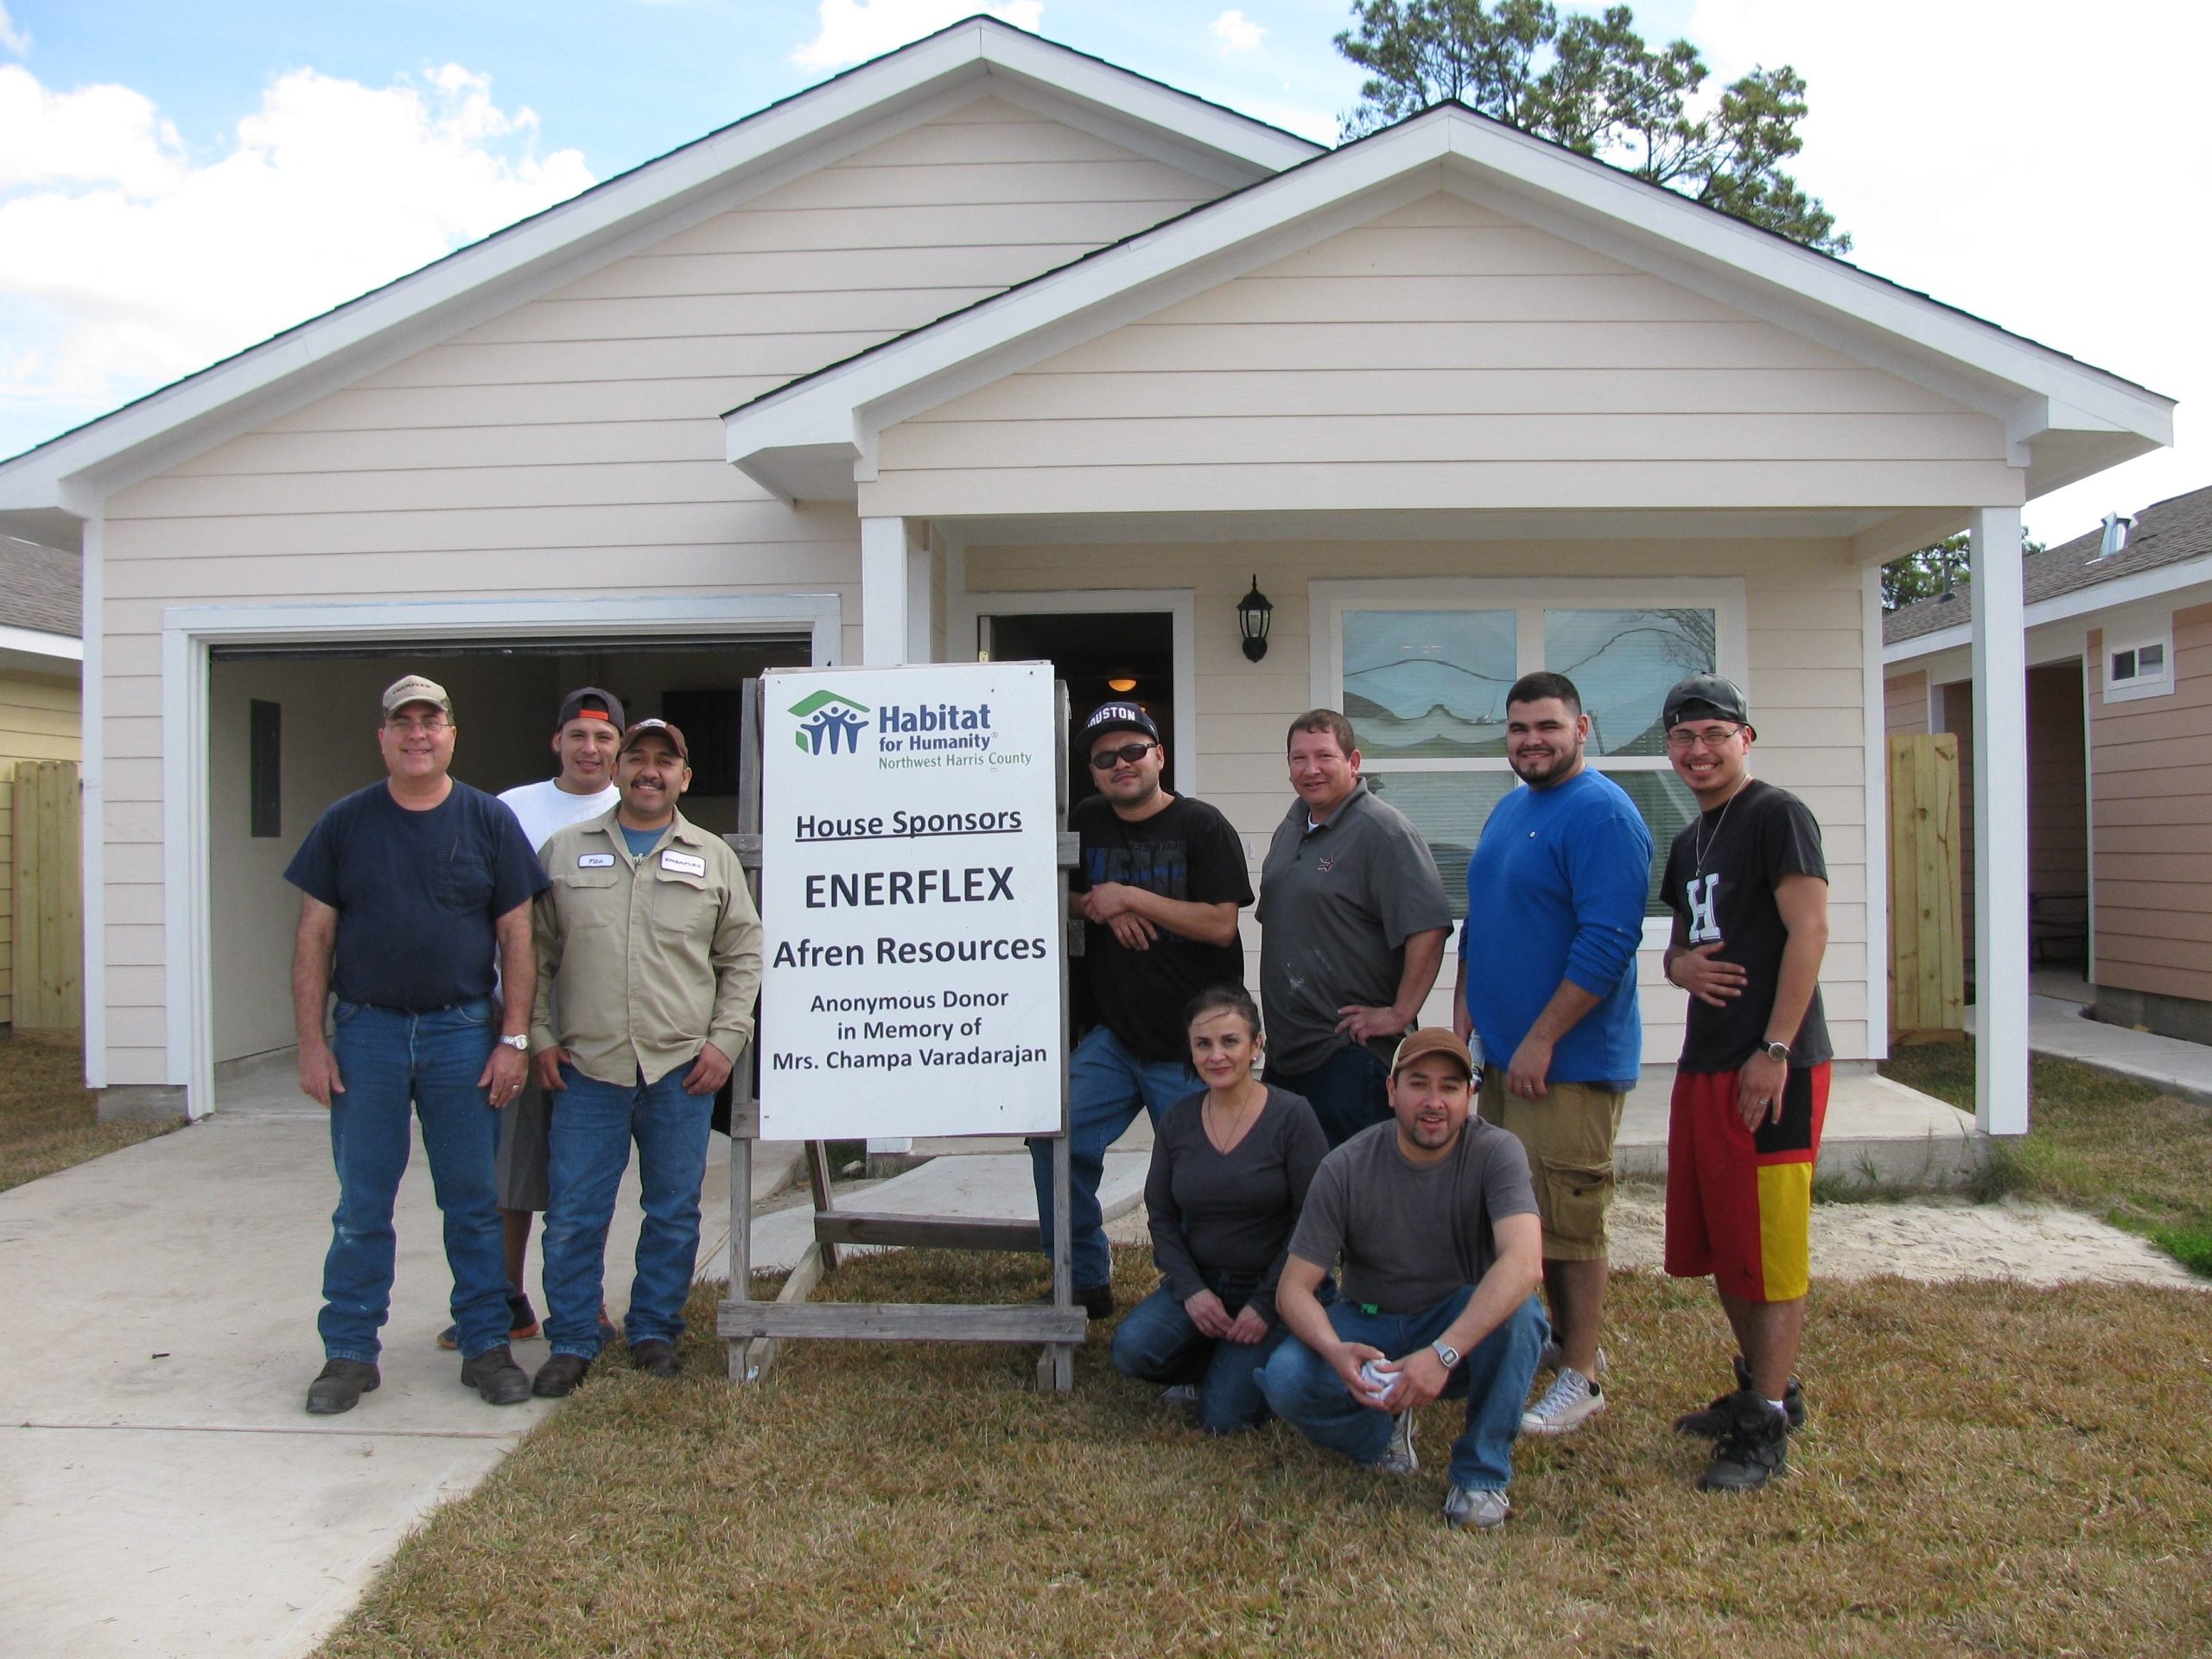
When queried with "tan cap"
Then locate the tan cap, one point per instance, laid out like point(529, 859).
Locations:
point(1432, 1039)
point(413, 688)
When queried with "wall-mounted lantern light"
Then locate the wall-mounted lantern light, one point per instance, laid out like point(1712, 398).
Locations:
point(1254, 613)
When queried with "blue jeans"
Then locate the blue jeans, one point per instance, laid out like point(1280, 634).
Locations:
point(389, 1061)
point(1493, 1378)
point(1157, 1343)
point(588, 1149)
point(1346, 1091)
point(1107, 1087)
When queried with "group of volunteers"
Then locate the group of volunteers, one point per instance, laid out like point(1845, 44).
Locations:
point(577, 941)
point(1351, 1217)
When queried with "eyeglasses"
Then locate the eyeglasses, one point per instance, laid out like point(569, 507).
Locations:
point(434, 724)
point(1682, 739)
point(1128, 754)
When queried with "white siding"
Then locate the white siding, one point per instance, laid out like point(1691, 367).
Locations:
point(1441, 356)
point(572, 446)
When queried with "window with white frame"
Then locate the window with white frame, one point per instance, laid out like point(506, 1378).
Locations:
point(1423, 670)
point(2138, 662)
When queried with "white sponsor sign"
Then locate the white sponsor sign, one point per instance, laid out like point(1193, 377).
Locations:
point(910, 897)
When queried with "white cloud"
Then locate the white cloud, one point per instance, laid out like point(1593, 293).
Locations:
point(1236, 32)
point(125, 263)
point(854, 30)
point(12, 37)
point(2041, 175)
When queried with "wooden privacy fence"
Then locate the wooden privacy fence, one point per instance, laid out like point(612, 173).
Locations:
point(1927, 946)
point(48, 948)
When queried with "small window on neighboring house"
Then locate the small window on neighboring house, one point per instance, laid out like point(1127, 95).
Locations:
point(2136, 667)
point(265, 774)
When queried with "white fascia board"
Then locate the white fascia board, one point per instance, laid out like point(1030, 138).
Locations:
point(36, 642)
point(611, 219)
point(2165, 580)
point(853, 401)
point(1810, 294)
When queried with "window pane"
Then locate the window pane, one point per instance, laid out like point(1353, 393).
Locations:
point(2123, 665)
point(1429, 684)
point(2152, 659)
point(1667, 805)
point(1624, 663)
point(1448, 808)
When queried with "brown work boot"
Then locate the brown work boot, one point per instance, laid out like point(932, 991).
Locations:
point(558, 1377)
point(494, 1374)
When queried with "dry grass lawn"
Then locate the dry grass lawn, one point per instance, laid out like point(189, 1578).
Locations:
point(1989, 1470)
point(46, 1117)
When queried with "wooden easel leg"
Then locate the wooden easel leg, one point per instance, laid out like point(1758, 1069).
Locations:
point(817, 1179)
point(1056, 1364)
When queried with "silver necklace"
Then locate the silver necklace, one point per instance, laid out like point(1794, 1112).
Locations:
point(1719, 823)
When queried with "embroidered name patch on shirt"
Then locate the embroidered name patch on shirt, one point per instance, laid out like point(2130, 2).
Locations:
point(594, 861)
point(683, 863)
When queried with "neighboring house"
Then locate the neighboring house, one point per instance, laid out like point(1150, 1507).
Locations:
point(1027, 355)
point(2119, 752)
point(41, 652)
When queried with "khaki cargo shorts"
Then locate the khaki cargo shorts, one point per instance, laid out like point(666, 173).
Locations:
point(1568, 1135)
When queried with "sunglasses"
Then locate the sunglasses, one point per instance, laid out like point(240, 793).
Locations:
point(1130, 753)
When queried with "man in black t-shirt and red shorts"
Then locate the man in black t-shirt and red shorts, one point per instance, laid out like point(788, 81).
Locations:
point(1749, 889)
point(1161, 881)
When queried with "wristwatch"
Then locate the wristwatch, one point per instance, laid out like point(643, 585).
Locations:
point(1776, 1051)
point(519, 1042)
point(1445, 1351)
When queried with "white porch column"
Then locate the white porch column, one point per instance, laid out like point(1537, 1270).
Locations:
point(896, 595)
point(2000, 825)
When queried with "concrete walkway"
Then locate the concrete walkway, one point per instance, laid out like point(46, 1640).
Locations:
point(161, 1490)
point(2062, 1028)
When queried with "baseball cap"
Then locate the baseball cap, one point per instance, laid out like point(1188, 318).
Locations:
point(1117, 717)
point(1432, 1039)
point(1706, 696)
point(590, 702)
point(413, 688)
point(644, 727)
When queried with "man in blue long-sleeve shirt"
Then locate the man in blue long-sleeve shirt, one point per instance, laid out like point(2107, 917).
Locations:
point(1555, 901)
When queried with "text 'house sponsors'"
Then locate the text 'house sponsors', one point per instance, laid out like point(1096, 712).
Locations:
point(910, 899)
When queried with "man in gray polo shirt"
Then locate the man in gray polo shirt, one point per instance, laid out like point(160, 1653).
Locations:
point(1355, 920)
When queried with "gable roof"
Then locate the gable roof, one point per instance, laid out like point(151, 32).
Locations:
point(2168, 535)
point(46, 491)
point(2064, 419)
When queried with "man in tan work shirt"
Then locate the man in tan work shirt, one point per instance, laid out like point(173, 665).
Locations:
point(650, 935)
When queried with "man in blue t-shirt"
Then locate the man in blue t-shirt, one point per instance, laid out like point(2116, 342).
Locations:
point(1555, 899)
point(407, 888)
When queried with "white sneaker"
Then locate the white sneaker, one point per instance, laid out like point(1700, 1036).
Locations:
point(1399, 1457)
point(1551, 1359)
point(1478, 1507)
point(1571, 1401)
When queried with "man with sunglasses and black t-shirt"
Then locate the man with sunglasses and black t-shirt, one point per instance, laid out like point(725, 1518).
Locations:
point(1748, 885)
point(1161, 881)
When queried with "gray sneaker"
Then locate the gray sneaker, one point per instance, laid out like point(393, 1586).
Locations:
point(1572, 1401)
point(1399, 1457)
point(1478, 1507)
point(1183, 1396)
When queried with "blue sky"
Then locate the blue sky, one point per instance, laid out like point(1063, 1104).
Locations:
point(178, 182)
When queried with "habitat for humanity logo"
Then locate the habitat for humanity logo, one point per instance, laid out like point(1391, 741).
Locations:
point(829, 722)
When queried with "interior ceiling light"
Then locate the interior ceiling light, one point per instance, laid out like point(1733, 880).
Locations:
point(1123, 684)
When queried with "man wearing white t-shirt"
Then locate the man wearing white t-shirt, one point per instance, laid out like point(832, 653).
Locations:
point(586, 738)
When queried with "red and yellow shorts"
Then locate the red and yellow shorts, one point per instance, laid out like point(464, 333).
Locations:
point(1740, 1202)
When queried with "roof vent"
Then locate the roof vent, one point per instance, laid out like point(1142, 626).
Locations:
point(2117, 525)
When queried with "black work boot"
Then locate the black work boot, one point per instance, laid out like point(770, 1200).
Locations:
point(494, 1374)
point(339, 1386)
point(1712, 1423)
point(1754, 1449)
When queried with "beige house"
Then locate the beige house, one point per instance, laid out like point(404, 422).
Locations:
point(989, 347)
point(41, 653)
point(2118, 650)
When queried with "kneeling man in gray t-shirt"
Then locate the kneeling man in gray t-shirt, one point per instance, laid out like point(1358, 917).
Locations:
point(1433, 1219)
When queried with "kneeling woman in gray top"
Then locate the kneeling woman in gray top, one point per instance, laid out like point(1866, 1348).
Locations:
point(1230, 1170)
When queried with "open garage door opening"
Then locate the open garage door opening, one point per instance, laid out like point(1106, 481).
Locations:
point(291, 728)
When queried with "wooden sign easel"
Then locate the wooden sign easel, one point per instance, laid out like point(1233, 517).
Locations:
point(753, 1328)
